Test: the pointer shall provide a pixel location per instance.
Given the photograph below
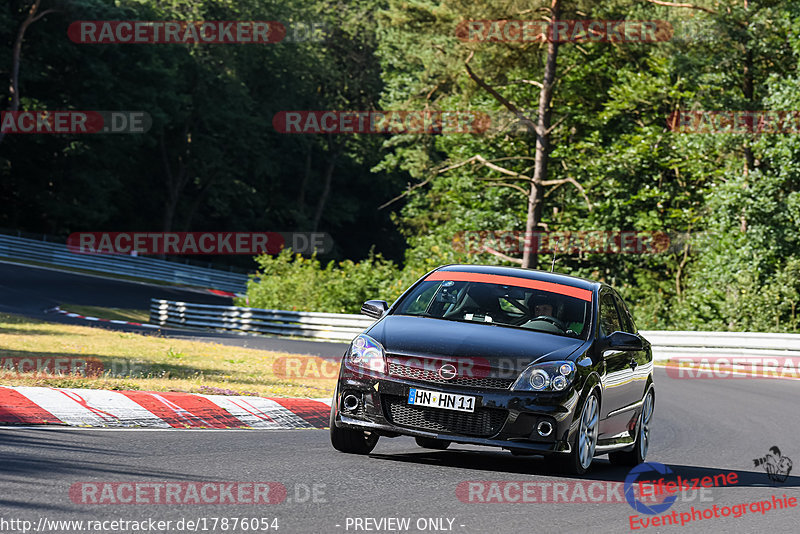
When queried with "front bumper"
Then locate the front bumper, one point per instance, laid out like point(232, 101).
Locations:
point(502, 418)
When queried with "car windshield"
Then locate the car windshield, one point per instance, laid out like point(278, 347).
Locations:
point(498, 304)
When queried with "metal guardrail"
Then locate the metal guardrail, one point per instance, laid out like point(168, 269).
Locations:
point(690, 344)
point(344, 327)
point(334, 326)
point(20, 248)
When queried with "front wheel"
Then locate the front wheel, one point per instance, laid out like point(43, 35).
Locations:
point(348, 440)
point(639, 452)
point(579, 459)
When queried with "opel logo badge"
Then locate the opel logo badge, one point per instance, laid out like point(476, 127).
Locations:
point(447, 371)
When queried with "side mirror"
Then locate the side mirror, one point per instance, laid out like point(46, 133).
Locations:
point(374, 308)
point(623, 341)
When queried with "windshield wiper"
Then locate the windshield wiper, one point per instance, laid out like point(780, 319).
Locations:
point(420, 314)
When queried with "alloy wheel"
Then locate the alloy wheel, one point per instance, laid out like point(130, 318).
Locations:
point(587, 434)
point(644, 428)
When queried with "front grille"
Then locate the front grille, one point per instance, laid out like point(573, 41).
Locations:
point(427, 375)
point(483, 422)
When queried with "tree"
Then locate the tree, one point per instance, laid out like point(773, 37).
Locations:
point(16, 55)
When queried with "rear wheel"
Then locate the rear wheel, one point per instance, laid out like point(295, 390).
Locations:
point(348, 440)
point(639, 453)
point(432, 443)
point(579, 459)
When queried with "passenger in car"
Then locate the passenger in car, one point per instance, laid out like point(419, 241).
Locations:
point(482, 304)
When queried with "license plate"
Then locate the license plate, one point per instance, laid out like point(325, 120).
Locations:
point(437, 399)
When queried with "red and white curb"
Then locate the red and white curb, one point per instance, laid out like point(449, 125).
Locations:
point(89, 318)
point(26, 405)
point(230, 294)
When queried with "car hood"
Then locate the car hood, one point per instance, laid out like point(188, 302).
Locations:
point(499, 346)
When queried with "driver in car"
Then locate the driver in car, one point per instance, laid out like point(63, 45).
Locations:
point(546, 318)
point(543, 308)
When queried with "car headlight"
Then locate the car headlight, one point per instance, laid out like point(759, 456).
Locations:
point(549, 376)
point(366, 354)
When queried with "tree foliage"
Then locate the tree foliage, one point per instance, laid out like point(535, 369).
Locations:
point(730, 202)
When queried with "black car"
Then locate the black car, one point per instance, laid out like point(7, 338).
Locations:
point(530, 361)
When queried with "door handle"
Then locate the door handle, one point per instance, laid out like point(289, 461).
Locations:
point(633, 363)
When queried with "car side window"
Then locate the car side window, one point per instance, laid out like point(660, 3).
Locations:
point(609, 318)
point(625, 316)
point(633, 323)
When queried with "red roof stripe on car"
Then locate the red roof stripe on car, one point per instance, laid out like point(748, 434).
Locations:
point(561, 289)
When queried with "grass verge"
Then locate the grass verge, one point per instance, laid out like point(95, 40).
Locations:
point(151, 363)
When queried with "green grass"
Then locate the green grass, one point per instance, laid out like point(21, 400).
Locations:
point(149, 362)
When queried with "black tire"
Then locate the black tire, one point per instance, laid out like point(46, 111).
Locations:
point(638, 454)
point(348, 440)
point(579, 459)
point(432, 443)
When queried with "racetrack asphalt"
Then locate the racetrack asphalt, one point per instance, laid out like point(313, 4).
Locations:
point(32, 291)
point(700, 428)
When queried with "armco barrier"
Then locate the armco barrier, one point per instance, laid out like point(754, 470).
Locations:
point(671, 345)
point(20, 248)
point(335, 326)
point(339, 326)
